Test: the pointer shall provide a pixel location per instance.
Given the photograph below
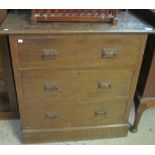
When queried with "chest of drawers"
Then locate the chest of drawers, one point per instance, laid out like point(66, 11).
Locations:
point(75, 86)
point(74, 80)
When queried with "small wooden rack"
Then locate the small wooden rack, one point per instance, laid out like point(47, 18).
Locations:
point(88, 15)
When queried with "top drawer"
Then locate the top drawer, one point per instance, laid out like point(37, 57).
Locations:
point(74, 51)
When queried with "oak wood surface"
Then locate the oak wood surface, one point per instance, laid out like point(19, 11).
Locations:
point(74, 114)
point(136, 74)
point(74, 84)
point(77, 133)
point(74, 51)
point(61, 101)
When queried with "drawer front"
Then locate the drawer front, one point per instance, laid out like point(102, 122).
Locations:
point(74, 51)
point(64, 86)
point(74, 115)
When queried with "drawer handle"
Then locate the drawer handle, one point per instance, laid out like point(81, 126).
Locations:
point(109, 53)
point(52, 115)
point(104, 84)
point(50, 87)
point(49, 54)
point(100, 113)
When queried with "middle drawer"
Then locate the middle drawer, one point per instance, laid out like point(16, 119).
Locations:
point(64, 86)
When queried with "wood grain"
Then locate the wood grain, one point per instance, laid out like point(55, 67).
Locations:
point(71, 55)
point(136, 74)
point(74, 84)
point(74, 114)
point(81, 133)
point(75, 94)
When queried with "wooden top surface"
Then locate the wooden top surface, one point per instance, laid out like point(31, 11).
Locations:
point(19, 23)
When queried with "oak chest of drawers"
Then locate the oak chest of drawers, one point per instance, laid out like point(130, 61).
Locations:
point(76, 85)
point(74, 81)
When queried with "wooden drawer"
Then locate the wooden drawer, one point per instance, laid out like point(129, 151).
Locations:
point(74, 51)
point(47, 115)
point(63, 86)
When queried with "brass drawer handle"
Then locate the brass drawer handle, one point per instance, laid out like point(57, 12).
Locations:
point(100, 113)
point(104, 84)
point(49, 54)
point(109, 53)
point(52, 115)
point(50, 87)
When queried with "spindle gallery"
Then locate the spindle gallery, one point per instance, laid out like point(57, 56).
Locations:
point(87, 15)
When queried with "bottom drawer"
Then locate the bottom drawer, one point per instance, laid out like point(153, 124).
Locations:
point(47, 115)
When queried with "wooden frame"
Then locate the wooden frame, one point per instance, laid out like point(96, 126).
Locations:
point(12, 112)
point(145, 92)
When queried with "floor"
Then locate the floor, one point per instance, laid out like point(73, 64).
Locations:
point(10, 132)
